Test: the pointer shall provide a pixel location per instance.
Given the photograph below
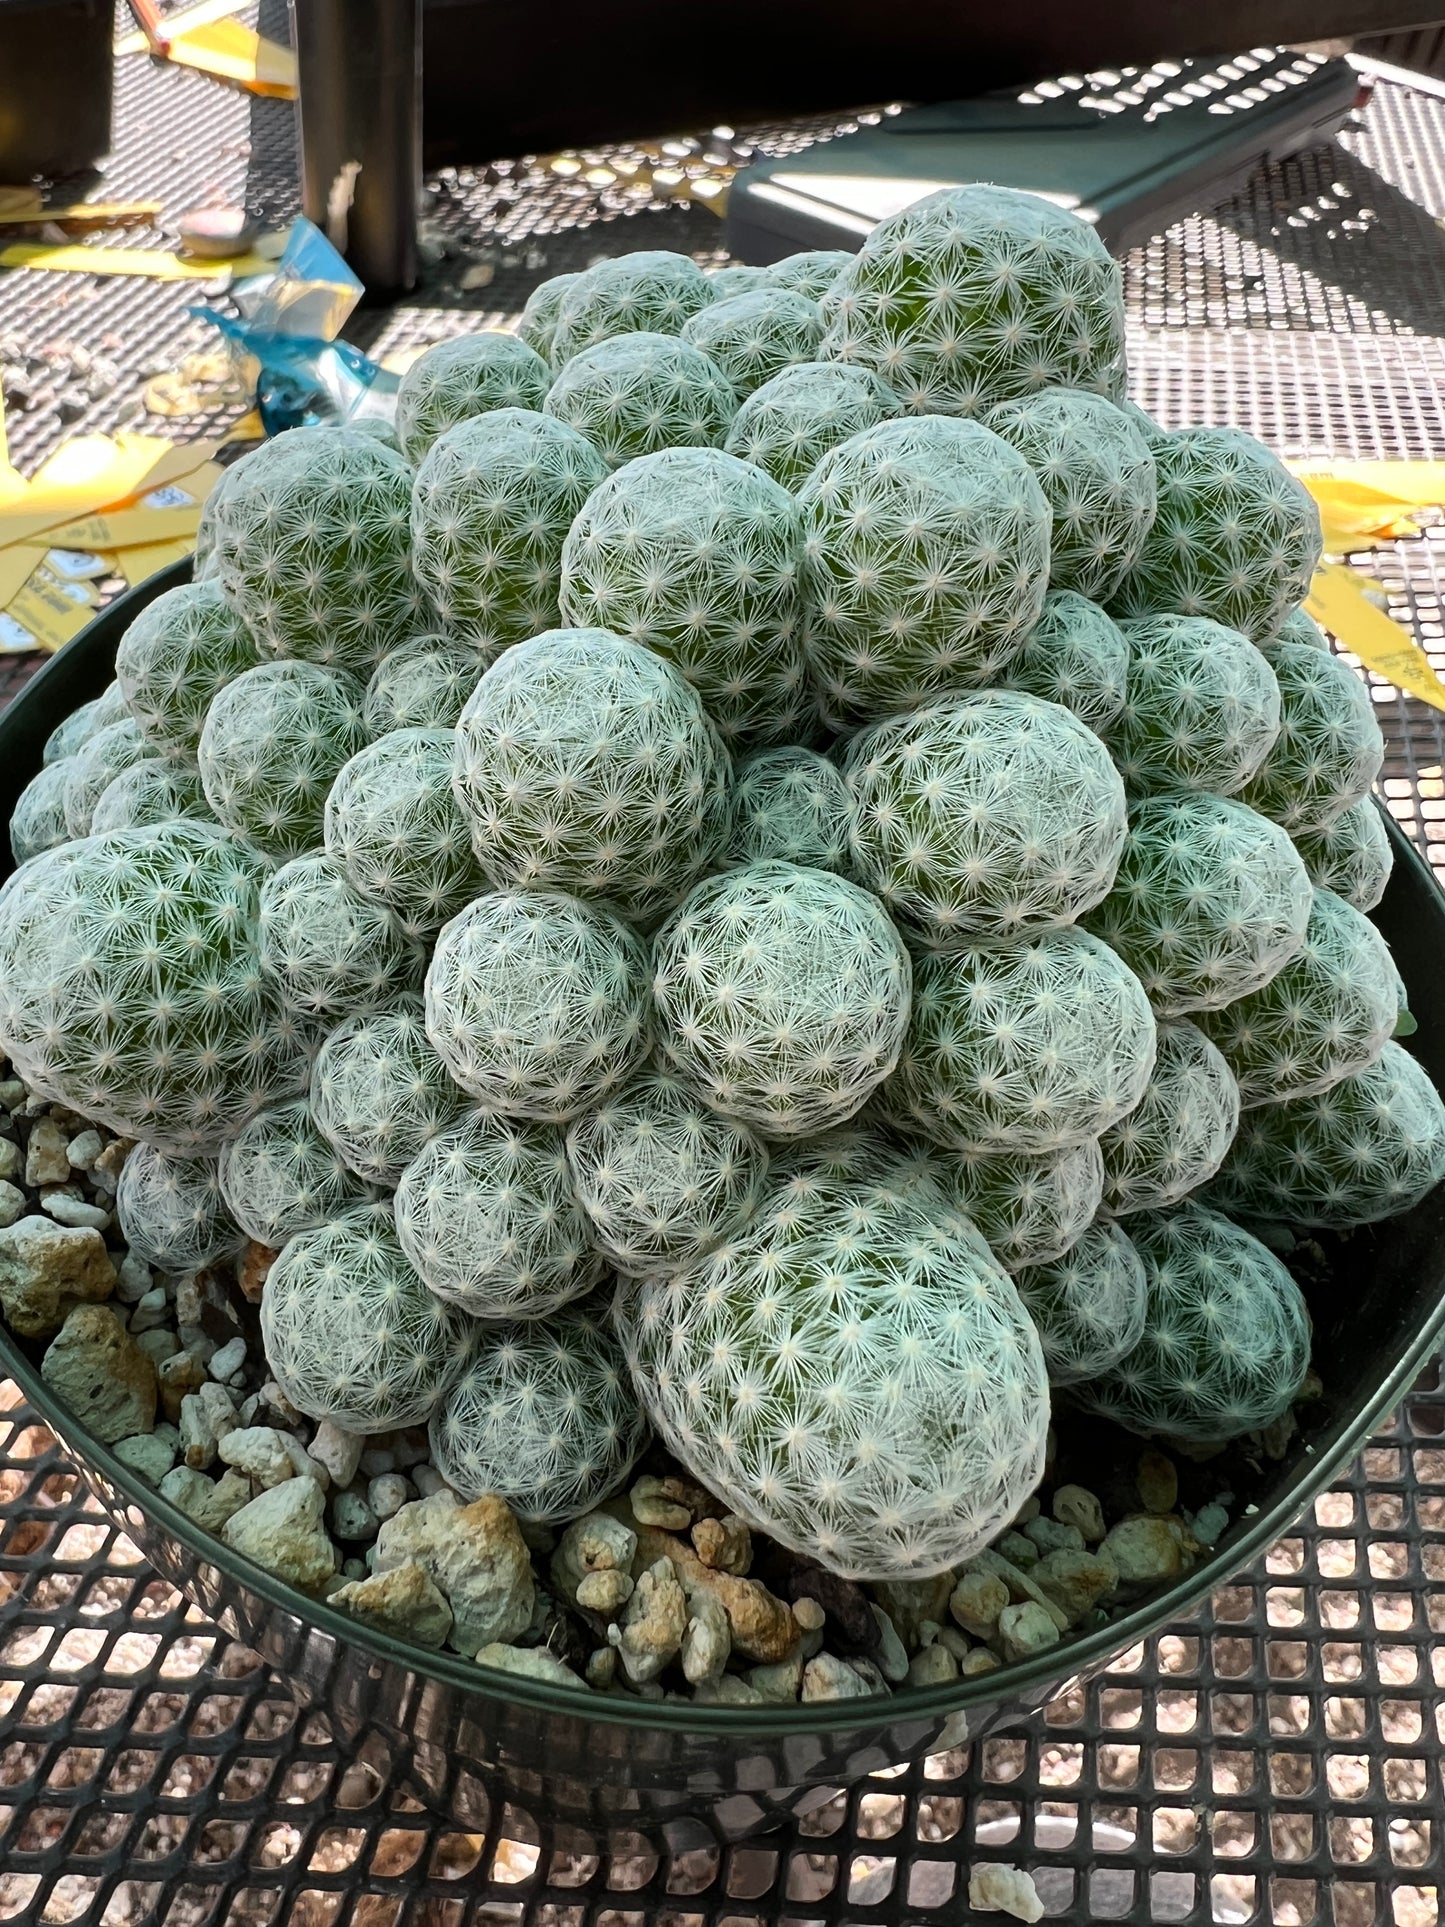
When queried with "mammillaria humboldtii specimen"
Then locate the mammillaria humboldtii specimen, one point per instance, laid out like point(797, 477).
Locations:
point(1328, 1013)
point(788, 423)
point(131, 988)
point(850, 1375)
point(394, 823)
point(1201, 708)
point(494, 500)
point(487, 1214)
point(791, 805)
point(1226, 1338)
point(173, 659)
point(636, 394)
point(312, 547)
point(1367, 1148)
point(94, 767)
point(150, 792)
point(782, 996)
point(1329, 749)
point(753, 335)
point(1299, 627)
point(172, 1210)
point(1210, 901)
point(351, 1333)
point(422, 685)
point(544, 1416)
point(661, 1176)
point(1235, 536)
point(1029, 1209)
point(38, 820)
point(330, 950)
point(72, 730)
point(1098, 474)
point(587, 764)
point(812, 271)
point(976, 294)
point(696, 555)
point(280, 1174)
point(538, 322)
point(735, 278)
point(1075, 655)
point(379, 1092)
point(1025, 1047)
point(1178, 1134)
point(987, 815)
point(273, 742)
point(1352, 856)
point(1089, 1305)
point(537, 1003)
point(926, 558)
point(466, 376)
point(651, 291)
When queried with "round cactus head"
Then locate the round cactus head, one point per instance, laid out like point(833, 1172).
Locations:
point(782, 996)
point(1327, 1014)
point(329, 950)
point(38, 821)
point(466, 376)
point(1299, 627)
point(1226, 1338)
point(537, 1003)
point(280, 1174)
point(172, 1210)
point(1369, 1147)
point(650, 292)
point(1089, 1305)
point(351, 1333)
point(852, 1376)
point(661, 1176)
point(791, 806)
point(1201, 709)
point(988, 815)
point(394, 824)
point(1022, 1048)
point(788, 423)
point(1330, 748)
point(538, 323)
point(494, 500)
point(1097, 471)
point(587, 764)
point(753, 335)
point(926, 559)
point(131, 988)
point(1235, 537)
point(812, 271)
point(72, 730)
point(149, 793)
point(696, 555)
point(544, 1416)
point(736, 279)
point(1210, 901)
point(94, 767)
point(1030, 1210)
point(422, 685)
point(638, 393)
point(1352, 856)
point(273, 742)
point(1075, 655)
point(177, 654)
point(976, 294)
point(379, 1093)
point(487, 1214)
point(312, 546)
point(1177, 1135)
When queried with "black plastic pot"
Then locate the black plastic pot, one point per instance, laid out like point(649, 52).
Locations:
point(584, 1767)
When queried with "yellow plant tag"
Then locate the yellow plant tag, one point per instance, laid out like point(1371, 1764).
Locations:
point(126, 528)
point(141, 561)
point(1338, 602)
point(156, 263)
point(51, 610)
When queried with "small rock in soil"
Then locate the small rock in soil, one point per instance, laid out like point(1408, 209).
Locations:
point(475, 1556)
point(46, 1268)
point(1075, 1506)
point(402, 1601)
point(47, 1155)
point(147, 1453)
point(283, 1531)
point(209, 1502)
point(12, 1202)
point(96, 1369)
point(830, 1678)
point(532, 1662)
point(339, 1451)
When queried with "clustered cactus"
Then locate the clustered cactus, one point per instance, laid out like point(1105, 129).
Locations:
point(783, 866)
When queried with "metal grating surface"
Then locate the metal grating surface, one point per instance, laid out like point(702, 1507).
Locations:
point(1277, 1759)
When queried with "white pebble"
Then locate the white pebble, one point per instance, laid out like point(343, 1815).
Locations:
point(12, 1202)
point(375, 1460)
point(226, 1362)
point(133, 1279)
point(9, 1157)
point(428, 1480)
point(74, 1211)
point(338, 1450)
point(84, 1149)
point(995, 1889)
point(151, 1310)
point(388, 1493)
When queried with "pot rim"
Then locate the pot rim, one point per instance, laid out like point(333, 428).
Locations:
point(1039, 1677)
